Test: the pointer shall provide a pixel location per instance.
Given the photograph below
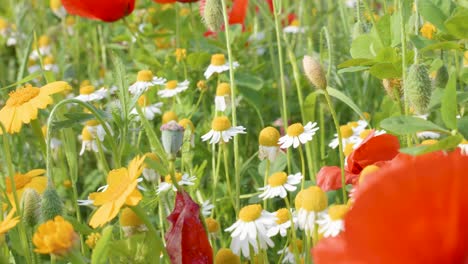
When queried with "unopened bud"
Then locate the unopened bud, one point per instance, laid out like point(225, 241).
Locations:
point(172, 137)
point(51, 205)
point(213, 15)
point(314, 72)
point(31, 204)
point(441, 78)
point(418, 88)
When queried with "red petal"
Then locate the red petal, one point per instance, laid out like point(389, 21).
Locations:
point(238, 12)
point(329, 178)
point(105, 10)
point(330, 250)
point(372, 150)
point(270, 5)
point(164, 1)
point(186, 239)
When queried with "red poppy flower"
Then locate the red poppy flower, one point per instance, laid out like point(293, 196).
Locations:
point(186, 239)
point(373, 150)
point(415, 210)
point(105, 10)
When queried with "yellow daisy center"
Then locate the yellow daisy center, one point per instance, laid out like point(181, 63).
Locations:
point(22, 95)
point(250, 213)
point(144, 76)
point(226, 256)
point(269, 137)
point(220, 123)
point(430, 142)
point(346, 131)
point(168, 178)
point(348, 149)
point(43, 41)
point(87, 89)
point(171, 85)
point(295, 23)
point(218, 60)
point(85, 83)
point(312, 199)
point(298, 246)
point(129, 218)
point(169, 116)
point(92, 239)
point(223, 89)
point(70, 21)
point(212, 225)
point(3, 24)
point(337, 212)
point(20, 181)
point(86, 135)
point(186, 123)
point(277, 179)
point(55, 4)
point(364, 133)
point(366, 171)
point(295, 130)
point(143, 101)
point(282, 215)
point(92, 122)
point(49, 60)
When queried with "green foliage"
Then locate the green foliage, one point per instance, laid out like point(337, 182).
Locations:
point(449, 103)
point(403, 125)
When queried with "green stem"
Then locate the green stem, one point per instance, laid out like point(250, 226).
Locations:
point(293, 231)
point(301, 154)
point(403, 63)
point(216, 165)
point(265, 181)
point(228, 179)
point(340, 144)
point(76, 258)
point(36, 126)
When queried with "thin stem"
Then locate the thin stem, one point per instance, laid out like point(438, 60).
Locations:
point(340, 144)
point(36, 126)
point(228, 179)
point(403, 63)
point(293, 231)
point(301, 154)
point(265, 180)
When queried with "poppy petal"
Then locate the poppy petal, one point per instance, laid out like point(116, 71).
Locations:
point(105, 10)
point(238, 12)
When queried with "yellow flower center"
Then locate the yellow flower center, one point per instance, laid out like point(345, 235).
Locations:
point(223, 89)
point(55, 4)
point(225, 256)
point(169, 116)
point(353, 124)
point(180, 54)
point(282, 216)
point(346, 131)
point(85, 83)
point(298, 246)
point(70, 21)
point(212, 225)
point(186, 123)
point(43, 41)
point(92, 239)
point(250, 213)
point(277, 179)
point(218, 60)
point(348, 149)
point(295, 130)
point(337, 212)
point(171, 85)
point(20, 181)
point(3, 24)
point(269, 137)
point(312, 199)
point(92, 122)
point(366, 171)
point(22, 95)
point(220, 123)
point(144, 76)
point(429, 142)
point(143, 101)
point(428, 30)
point(86, 135)
point(295, 23)
point(168, 178)
point(364, 133)
point(87, 89)
point(129, 218)
point(49, 60)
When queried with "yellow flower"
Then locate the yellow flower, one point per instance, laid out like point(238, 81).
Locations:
point(33, 179)
point(180, 54)
point(427, 30)
point(55, 237)
point(122, 190)
point(92, 239)
point(23, 104)
point(9, 222)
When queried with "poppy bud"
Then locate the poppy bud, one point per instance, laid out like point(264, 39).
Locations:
point(441, 78)
point(314, 72)
point(418, 88)
point(31, 204)
point(172, 137)
point(213, 15)
point(51, 205)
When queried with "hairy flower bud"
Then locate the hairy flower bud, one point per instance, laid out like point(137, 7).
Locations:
point(172, 137)
point(31, 204)
point(213, 15)
point(418, 88)
point(441, 77)
point(314, 72)
point(51, 205)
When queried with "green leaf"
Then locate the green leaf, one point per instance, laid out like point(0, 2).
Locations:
point(420, 42)
point(387, 54)
point(198, 60)
point(309, 105)
point(278, 165)
point(432, 11)
point(403, 125)
point(345, 99)
point(444, 45)
point(353, 69)
point(463, 126)
point(355, 62)
point(247, 80)
point(382, 29)
point(449, 103)
point(101, 251)
point(457, 23)
point(365, 46)
point(24, 80)
point(385, 70)
point(448, 143)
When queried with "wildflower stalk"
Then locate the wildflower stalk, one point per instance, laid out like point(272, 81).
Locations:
point(284, 113)
point(216, 164)
point(36, 126)
point(228, 179)
point(403, 63)
point(293, 230)
point(233, 103)
point(154, 141)
point(340, 143)
point(265, 181)
point(301, 154)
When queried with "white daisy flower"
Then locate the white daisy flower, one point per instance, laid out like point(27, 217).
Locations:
point(268, 143)
point(167, 185)
point(298, 134)
point(251, 230)
point(294, 28)
point(206, 208)
point(310, 205)
point(173, 88)
point(464, 147)
point(49, 64)
point(89, 94)
point(278, 185)
point(149, 110)
point(69, 24)
point(33, 66)
point(58, 9)
point(351, 3)
point(288, 252)
point(282, 223)
point(332, 223)
point(96, 129)
point(44, 48)
point(145, 80)
point(223, 93)
point(149, 173)
point(221, 129)
point(12, 40)
point(88, 142)
point(218, 65)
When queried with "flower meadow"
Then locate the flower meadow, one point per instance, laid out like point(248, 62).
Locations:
point(233, 131)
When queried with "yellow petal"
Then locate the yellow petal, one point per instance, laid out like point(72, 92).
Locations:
point(55, 87)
